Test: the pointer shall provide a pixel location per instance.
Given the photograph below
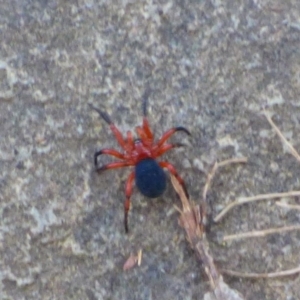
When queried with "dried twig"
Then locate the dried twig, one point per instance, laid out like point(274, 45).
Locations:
point(190, 220)
point(271, 230)
point(213, 171)
point(259, 233)
point(263, 275)
point(193, 216)
point(287, 205)
point(283, 139)
point(243, 200)
point(139, 257)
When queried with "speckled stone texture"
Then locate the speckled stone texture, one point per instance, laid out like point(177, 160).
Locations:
point(211, 66)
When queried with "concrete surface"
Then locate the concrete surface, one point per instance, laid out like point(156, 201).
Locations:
point(211, 66)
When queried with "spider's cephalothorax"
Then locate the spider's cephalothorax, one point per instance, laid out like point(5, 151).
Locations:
point(141, 153)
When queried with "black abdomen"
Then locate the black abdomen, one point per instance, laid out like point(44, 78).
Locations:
point(150, 178)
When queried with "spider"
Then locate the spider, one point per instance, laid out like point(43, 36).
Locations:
point(141, 153)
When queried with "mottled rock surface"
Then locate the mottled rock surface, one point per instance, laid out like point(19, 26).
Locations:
point(211, 66)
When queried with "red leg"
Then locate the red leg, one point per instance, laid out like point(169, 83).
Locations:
point(130, 141)
point(113, 165)
point(118, 135)
point(111, 152)
point(141, 133)
point(145, 133)
point(147, 129)
point(164, 148)
point(128, 192)
point(172, 170)
point(169, 133)
point(113, 127)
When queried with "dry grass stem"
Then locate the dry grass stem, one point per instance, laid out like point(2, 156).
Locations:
point(259, 233)
point(283, 139)
point(213, 171)
point(139, 257)
point(243, 200)
point(287, 205)
point(285, 273)
point(191, 220)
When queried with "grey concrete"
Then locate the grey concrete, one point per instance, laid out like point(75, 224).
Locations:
point(211, 67)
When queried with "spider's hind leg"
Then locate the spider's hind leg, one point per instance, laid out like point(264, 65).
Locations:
point(172, 170)
point(128, 192)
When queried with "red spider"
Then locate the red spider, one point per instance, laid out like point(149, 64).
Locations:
point(149, 176)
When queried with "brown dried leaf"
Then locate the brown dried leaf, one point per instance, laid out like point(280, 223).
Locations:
point(130, 262)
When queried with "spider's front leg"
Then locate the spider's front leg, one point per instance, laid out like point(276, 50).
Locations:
point(166, 147)
point(146, 126)
point(113, 127)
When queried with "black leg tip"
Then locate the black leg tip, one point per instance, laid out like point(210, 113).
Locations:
point(177, 145)
point(145, 101)
point(96, 156)
point(126, 227)
point(103, 114)
point(100, 169)
point(180, 128)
